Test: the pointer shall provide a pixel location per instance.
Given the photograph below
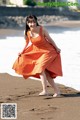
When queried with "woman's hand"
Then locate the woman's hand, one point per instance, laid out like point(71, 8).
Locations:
point(19, 54)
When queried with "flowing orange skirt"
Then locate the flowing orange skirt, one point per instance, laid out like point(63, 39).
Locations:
point(39, 56)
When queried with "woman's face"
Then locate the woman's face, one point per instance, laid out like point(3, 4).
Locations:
point(31, 23)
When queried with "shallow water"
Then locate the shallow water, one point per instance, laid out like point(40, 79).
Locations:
point(68, 39)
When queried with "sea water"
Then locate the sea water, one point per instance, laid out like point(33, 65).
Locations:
point(67, 40)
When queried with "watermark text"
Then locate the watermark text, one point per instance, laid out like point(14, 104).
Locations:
point(57, 4)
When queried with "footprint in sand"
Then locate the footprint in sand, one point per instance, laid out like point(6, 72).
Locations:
point(33, 92)
point(43, 110)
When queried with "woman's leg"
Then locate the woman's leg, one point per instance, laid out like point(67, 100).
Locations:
point(53, 84)
point(44, 83)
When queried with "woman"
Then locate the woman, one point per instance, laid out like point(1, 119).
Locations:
point(41, 59)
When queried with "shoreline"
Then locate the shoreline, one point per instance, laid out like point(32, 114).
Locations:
point(66, 23)
point(61, 24)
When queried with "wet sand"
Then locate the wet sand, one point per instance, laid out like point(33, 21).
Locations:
point(65, 24)
point(31, 106)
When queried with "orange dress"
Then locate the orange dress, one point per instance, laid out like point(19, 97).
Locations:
point(39, 56)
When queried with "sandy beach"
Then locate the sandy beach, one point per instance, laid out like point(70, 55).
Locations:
point(25, 93)
point(31, 106)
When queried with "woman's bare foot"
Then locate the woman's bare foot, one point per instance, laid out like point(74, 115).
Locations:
point(56, 95)
point(43, 93)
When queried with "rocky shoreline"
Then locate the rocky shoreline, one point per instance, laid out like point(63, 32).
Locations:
point(19, 21)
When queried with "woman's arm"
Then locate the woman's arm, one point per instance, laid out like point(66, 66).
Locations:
point(50, 40)
point(27, 41)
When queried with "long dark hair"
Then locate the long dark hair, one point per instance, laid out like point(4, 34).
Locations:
point(27, 20)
